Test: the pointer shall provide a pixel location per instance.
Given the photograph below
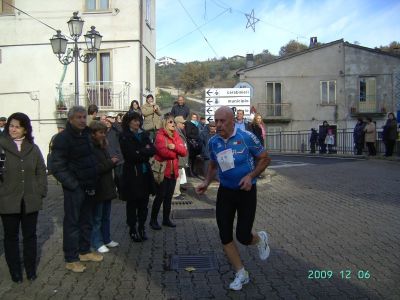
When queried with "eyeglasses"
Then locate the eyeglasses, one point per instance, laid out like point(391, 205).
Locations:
point(170, 122)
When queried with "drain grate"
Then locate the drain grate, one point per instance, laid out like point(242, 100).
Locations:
point(198, 262)
point(181, 202)
point(206, 213)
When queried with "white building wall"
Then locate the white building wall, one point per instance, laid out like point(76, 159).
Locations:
point(29, 71)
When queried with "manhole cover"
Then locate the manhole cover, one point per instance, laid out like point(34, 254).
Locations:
point(197, 262)
point(207, 213)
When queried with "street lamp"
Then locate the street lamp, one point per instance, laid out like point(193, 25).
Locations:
point(59, 45)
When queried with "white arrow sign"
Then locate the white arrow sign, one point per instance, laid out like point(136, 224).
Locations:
point(211, 109)
point(228, 101)
point(233, 92)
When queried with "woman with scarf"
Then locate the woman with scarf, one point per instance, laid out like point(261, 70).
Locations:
point(137, 177)
point(23, 185)
point(169, 147)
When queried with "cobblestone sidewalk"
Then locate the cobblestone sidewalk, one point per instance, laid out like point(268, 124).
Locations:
point(335, 234)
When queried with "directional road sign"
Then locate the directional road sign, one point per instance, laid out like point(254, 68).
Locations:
point(234, 92)
point(235, 98)
point(228, 101)
point(210, 110)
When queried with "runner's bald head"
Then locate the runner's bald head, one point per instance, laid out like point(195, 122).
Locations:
point(225, 121)
point(227, 111)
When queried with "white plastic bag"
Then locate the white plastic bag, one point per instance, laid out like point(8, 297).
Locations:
point(182, 176)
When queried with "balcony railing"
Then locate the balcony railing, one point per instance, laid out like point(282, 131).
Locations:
point(107, 95)
point(274, 111)
point(368, 107)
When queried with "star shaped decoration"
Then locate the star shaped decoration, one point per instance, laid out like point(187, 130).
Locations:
point(251, 20)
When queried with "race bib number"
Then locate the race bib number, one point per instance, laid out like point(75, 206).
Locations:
point(225, 160)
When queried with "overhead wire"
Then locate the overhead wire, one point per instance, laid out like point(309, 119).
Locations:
point(225, 6)
point(197, 27)
point(185, 35)
point(25, 13)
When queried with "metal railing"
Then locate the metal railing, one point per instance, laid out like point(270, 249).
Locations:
point(107, 95)
point(299, 141)
point(269, 110)
point(368, 107)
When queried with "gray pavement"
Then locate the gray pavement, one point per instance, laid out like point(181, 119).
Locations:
point(325, 217)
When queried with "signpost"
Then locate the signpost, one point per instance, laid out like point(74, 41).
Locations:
point(235, 98)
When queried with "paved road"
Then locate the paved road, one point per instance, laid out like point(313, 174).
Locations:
point(340, 217)
point(293, 160)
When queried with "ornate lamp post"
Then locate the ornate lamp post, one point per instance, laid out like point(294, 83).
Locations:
point(59, 45)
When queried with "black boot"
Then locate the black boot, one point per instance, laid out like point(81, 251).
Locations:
point(142, 213)
point(134, 235)
point(16, 277)
point(154, 224)
point(168, 223)
point(143, 234)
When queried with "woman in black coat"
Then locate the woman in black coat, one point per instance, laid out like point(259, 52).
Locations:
point(137, 176)
point(105, 189)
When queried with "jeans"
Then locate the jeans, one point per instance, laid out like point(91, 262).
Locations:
point(11, 223)
point(101, 224)
point(77, 230)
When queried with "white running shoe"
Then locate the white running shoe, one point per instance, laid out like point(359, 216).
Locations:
point(240, 279)
point(103, 249)
point(263, 247)
point(112, 244)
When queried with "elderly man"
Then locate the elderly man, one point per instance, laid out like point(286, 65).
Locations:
point(241, 122)
point(180, 108)
point(74, 166)
point(240, 158)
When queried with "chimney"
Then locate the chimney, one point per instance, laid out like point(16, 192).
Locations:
point(313, 42)
point(249, 60)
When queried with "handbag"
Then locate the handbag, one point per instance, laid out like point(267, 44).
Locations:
point(158, 168)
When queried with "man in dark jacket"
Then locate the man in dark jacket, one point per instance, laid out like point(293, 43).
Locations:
point(74, 166)
point(180, 108)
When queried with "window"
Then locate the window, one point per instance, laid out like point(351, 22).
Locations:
point(328, 92)
point(147, 73)
point(93, 5)
point(148, 12)
point(98, 77)
point(367, 89)
point(274, 99)
point(6, 9)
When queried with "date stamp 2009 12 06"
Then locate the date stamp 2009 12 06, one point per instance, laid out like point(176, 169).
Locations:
point(341, 274)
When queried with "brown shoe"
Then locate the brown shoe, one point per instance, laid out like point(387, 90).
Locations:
point(92, 256)
point(75, 266)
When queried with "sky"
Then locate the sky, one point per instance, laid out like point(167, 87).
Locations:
point(190, 30)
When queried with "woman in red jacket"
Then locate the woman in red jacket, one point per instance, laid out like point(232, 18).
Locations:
point(169, 146)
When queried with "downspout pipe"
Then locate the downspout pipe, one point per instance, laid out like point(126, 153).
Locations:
point(141, 53)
